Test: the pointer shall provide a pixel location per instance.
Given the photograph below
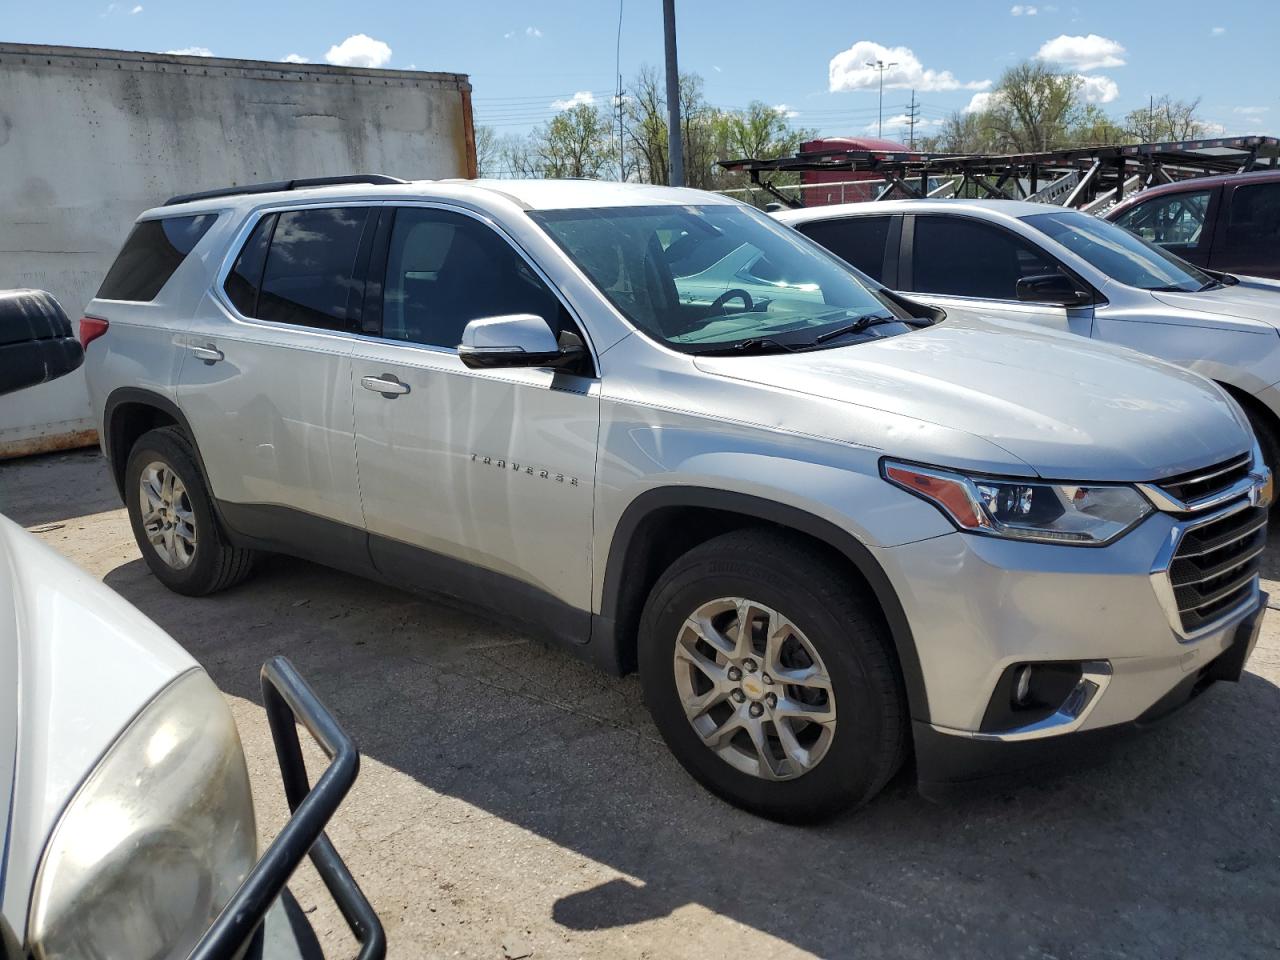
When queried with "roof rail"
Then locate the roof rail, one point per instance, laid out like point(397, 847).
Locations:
point(276, 186)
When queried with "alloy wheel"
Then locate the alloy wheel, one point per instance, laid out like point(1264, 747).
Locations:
point(167, 516)
point(754, 688)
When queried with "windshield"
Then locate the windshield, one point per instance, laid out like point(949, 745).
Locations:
point(1119, 254)
point(719, 277)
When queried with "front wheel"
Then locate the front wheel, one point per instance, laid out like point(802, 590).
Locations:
point(770, 676)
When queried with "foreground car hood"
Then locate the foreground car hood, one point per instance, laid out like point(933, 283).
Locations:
point(1250, 299)
point(1068, 408)
point(77, 663)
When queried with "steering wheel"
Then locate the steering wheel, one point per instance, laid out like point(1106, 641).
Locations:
point(732, 294)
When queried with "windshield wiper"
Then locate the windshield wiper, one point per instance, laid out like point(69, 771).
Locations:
point(858, 325)
point(750, 345)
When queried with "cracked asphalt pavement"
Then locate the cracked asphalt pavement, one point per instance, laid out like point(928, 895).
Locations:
point(513, 802)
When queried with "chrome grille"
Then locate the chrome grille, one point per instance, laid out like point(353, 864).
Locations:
point(1206, 482)
point(1215, 566)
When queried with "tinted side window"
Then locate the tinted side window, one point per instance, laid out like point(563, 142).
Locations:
point(1177, 218)
point(245, 279)
point(309, 275)
point(965, 258)
point(151, 254)
point(445, 269)
point(856, 240)
point(1255, 217)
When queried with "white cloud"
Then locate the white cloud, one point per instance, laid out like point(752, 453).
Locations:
point(716, 69)
point(294, 58)
point(903, 120)
point(848, 70)
point(359, 50)
point(1083, 53)
point(191, 52)
point(1023, 10)
point(1217, 31)
point(981, 102)
point(581, 97)
point(137, 9)
point(1098, 89)
point(1251, 111)
point(1213, 128)
point(784, 110)
point(532, 32)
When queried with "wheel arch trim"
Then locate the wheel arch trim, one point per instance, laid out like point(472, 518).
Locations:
point(779, 514)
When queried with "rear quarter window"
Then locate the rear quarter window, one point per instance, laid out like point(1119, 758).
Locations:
point(151, 254)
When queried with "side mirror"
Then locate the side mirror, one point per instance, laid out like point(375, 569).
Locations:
point(516, 340)
point(1052, 288)
point(37, 343)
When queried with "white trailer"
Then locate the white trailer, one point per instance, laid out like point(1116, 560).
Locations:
point(90, 138)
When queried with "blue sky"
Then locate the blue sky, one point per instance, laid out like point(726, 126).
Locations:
point(525, 59)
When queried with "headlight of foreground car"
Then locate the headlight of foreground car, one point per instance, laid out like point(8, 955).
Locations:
point(1018, 509)
point(156, 840)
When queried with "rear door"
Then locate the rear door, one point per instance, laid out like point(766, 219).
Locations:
point(870, 243)
point(1180, 222)
point(954, 261)
point(1247, 239)
point(267, 383)
point(475, 483)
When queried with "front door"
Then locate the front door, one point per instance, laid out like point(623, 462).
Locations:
point(475, 483)
point(967, 264)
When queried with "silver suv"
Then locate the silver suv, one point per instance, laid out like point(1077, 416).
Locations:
point(829, 526)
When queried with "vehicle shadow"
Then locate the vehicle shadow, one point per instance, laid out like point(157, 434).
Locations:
point(1170, 848)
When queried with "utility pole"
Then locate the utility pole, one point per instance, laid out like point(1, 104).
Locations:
point(675, 146)
point(617, 103)
point(913, 114)
point(882, 67)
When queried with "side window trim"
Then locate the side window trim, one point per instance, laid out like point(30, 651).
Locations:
point(908, 256)
point(381, 255)
point(242, 237)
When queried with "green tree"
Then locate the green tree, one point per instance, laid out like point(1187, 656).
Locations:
point(1033, 107)
point(574, 143)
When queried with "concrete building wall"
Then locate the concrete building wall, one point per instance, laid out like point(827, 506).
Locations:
point(91, 138)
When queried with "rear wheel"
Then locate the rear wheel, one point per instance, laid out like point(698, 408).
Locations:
point(770, 676)
point(172, 517)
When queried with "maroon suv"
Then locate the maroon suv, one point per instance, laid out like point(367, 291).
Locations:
point(1229, 223)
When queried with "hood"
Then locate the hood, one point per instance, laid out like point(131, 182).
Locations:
point(1251, 299)
point(77, 663)
point(1068, 408)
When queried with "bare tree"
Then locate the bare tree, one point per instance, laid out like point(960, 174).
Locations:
point(1165, 119)
point(488, 151)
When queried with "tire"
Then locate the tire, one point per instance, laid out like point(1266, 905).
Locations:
point(1266, 435)
point(854, 755)
point(208, 563)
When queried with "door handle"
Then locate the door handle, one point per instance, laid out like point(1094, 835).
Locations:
point(387, 385)
point(209, 354)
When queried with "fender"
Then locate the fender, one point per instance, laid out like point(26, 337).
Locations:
point(149, 398)
point(604, 635)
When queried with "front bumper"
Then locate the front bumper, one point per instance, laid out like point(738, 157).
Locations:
point(947, 764)
point(982, 608)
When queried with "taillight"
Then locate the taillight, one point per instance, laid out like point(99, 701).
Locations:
point(91, 328)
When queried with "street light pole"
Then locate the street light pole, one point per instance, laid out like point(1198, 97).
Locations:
point(882, 67)
point(675, 146)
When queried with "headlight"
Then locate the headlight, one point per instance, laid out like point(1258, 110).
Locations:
point(157, 839)
point(1067, 513)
